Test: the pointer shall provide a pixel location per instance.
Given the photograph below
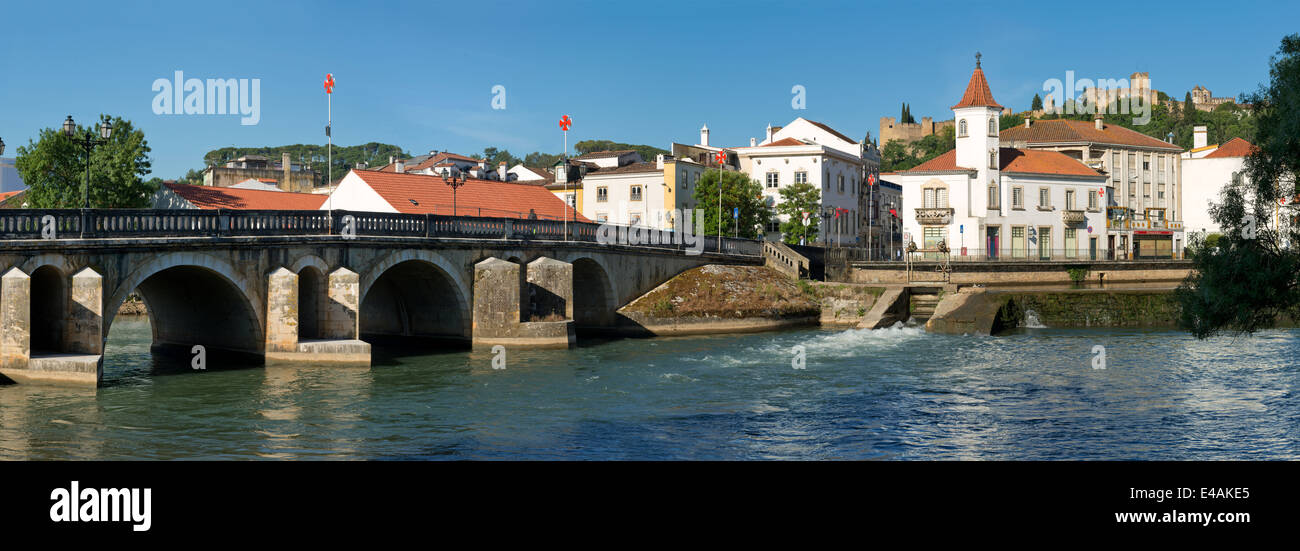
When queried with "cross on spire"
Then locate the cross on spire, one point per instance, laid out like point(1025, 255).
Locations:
point(977, 59)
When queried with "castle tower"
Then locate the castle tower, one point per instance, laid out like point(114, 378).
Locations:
point(976, 117)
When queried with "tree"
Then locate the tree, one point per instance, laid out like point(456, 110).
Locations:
point(54, 169)
point(1037, 104)
point(542, 160)
point(738, 190)
point(1252, 277)
point(647, 152)
point(494, 157)
point(1189, 108)
point(796, 200)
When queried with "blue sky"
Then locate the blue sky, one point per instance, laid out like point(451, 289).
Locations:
point(420, 74)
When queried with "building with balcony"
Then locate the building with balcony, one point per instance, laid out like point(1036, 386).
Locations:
point(1143, 177)
point(984, 199)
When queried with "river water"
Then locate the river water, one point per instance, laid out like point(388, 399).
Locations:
point(896, 393)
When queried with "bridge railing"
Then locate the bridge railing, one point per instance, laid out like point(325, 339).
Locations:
point(126, 223)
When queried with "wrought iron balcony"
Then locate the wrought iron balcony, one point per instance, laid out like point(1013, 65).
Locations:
point(934, 216)
point(1073, 216)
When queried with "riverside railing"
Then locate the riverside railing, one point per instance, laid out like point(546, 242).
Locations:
point(128, 223)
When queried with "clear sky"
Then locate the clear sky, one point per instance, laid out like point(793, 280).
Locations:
point(420, 74)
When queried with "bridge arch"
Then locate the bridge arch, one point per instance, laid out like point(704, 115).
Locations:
point(595, 296)
point(195, 298)
point(415, 293)
point(313, 295)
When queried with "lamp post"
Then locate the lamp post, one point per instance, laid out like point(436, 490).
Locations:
point(2, 146)
point(455, 181)
point(88, 141)
point(826, 221)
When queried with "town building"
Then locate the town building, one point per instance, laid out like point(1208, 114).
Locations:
point(1142, 191)
point(442, 163)
point(290, 176)
point(621, 188)
point(172, 195)
point(883, 219)
point(984, 199)
point(1206, 170)
point(388, 191)
point(1204, 100)
point(811, 152)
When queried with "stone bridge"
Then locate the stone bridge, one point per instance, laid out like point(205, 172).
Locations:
point(307, 286)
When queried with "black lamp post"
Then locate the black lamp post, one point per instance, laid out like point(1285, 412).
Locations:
point(2, 146)
point(88, 141)
point(455, 181)
point(827, 213)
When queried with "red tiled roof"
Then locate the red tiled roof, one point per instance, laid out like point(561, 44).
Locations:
point(8, 194)
point(427, 162)
point(1235, 147)
point(1029, 161)
point(944, 162)
point(494, 198)
point(784, 142)
point(209, 197)
point(1066, 130)
point(977, 92)
point(1035, 161)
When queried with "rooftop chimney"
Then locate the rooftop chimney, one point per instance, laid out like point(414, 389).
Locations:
point(659, 161)
point(753, 142)
point(768, 139)
point(401, 167)
point(1096, 122)
point(501, 171)
point(1199, 137)
point(1028, 122)
point(704, 135)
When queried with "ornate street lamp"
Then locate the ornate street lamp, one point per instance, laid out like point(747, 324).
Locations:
point(2, 146)
point(827, 213)
point(88, 141)
point(455, 181)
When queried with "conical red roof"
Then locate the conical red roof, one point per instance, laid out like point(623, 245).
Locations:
point(977, 92)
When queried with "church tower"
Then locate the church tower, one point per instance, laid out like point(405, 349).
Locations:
point(976, 117)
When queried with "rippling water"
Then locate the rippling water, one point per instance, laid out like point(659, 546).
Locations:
point(895, 393)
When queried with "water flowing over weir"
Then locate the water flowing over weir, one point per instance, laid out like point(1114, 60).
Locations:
point(892, 393)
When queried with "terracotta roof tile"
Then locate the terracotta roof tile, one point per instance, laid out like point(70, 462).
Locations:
point(603, 154)
point(1235, 147)
point(977, 92)
point(1066, 130)
point(784, 142)
point(489, 197)
point(1036, 161)
point(209, 197)
point(943, 163)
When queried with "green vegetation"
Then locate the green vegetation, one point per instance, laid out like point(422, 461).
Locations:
point(648, 153)
point(343, 158)
point(795, 200)
point(738, 190)
point(1077, 274)
point(1251, 279)
point(896, 155)
point(54, 169)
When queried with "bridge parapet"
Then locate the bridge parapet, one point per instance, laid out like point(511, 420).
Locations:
point(59, 224)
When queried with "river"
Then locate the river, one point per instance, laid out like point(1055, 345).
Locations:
point(897, 393)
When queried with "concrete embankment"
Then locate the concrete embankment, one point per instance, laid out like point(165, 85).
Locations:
point(981, 311)
point(731, 299)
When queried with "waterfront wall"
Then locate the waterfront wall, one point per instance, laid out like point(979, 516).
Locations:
point(1154, 273)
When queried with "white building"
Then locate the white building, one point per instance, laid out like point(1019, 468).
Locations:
point(1206, 170)
point(810, 152)
point(984, 199)
point(619, 187)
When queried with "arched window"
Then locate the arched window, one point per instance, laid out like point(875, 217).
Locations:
point(993, 126)
point(961, 129)
point(993, 159)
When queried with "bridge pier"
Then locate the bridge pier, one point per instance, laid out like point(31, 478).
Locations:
point(73, 323)
point(339, 343)
point(498, 310)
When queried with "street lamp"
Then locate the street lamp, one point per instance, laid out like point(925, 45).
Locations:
point(2, 146)
point(826, 221)
point(455, 181)
point(88, 141)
